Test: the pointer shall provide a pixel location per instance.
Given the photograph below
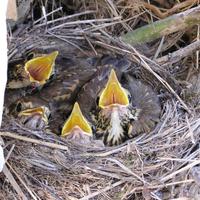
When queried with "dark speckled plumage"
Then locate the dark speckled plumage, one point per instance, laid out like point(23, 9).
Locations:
point(147, 102)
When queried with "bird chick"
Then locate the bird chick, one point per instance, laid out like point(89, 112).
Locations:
point(125, 113)
point(77, 128)
point(35, 72)
point(31, 113)
point(119, 105)
point(114, 112)
point(35, 118)
point(41, 68)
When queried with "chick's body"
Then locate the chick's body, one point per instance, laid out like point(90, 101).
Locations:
point(117, 123)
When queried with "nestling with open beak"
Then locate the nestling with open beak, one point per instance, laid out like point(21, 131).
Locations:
point(125, 113)
point(36, 72)
point(35, 118)
point(32, 114)
point(120, 106)
point(76, 127)
point(114, 112)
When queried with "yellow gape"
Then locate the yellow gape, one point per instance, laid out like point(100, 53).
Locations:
point(76, 119)
point(40, 69)
point(113, 93)
point(42, 111)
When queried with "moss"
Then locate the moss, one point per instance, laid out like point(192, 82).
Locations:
point(159, 28)
point(144, 34)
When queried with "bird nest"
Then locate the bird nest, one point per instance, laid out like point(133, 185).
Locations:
point(163, 164)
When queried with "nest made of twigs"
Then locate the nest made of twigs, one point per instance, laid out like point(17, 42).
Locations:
point(163, 164)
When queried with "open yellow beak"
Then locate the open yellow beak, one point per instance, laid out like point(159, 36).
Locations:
point(113, 93)
point(35, 111)
point(76, 119)
point(40, 69)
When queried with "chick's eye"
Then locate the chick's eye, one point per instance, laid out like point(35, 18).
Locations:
point(19, 107)
point(97, 100)
point(30, 55)
point(129, 97)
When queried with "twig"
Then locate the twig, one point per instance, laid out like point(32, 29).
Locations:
point(179, 54)
point(103, 190)
point(67, 41)
point(112, 175)
point(190, 131)
point(104, 154)
point(62, 18)
point(141, 188)
point(77, 22)
point(43, 17)
point(127, 169)
point(197, 52)
point(175, 8)
point(145, 65)
point(9, 153)
point(13, 182)
point(159, 48)
point(180, 170)
point(23, 183)
point(35, 141)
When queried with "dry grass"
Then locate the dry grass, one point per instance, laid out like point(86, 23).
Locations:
point(161, 165)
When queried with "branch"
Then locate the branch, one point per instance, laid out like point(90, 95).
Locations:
point(179, 54)
point(163, 27)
